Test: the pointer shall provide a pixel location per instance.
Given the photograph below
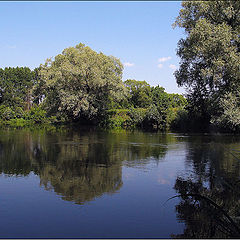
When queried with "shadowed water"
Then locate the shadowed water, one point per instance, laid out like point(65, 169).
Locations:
point(96, 184)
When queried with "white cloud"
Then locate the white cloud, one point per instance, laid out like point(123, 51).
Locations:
point(128, 64)
point(160, 65)
point(172, 66)
point(164, 59)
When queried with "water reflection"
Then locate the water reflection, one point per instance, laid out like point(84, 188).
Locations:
point(210, 194)
point(78, 165)
point(82, 165)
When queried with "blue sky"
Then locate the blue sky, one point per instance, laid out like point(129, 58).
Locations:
point(140, 34)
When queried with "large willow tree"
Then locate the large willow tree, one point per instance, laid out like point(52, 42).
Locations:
point(79, 83)
point(210, 59)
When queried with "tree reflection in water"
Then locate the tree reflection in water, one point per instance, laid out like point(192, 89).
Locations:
point(210, 196)
point(78, 165)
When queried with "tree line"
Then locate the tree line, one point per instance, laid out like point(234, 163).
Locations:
point(82, 86)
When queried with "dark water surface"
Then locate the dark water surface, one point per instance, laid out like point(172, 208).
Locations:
point(96, 184)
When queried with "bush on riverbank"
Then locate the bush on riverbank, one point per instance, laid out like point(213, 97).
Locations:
point(142, 118)
point(116, 119)
point(16, 117)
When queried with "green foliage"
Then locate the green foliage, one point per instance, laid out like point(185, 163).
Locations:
point(139, 93)
point(144, 118)
point(181, 121)
point(171, 115)
point(209, 54)
point(18, 123)
point(177, 100)
point(80, 82)
point(38, 90)
point(6, 112)
point(15, 87)
point(20, 118)
point(81, 86)
point(37, 115)
point(160, 98)
point(137, 116)
point(159, 115)
point(19, 113)
point(153, 119)
point(229, 117)
point(116, 118)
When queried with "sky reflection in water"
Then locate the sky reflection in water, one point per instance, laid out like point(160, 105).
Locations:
point(93, 184)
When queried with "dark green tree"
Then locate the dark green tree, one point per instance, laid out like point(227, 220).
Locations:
point(160, 98)
point(139, 93)
point(177, 100)
point(16, 87)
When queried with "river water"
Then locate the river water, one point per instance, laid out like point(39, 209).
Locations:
point(88, 183)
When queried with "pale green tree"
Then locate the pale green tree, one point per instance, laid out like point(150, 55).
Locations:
point(79, 82)
point(229, 114)
point(210, 53)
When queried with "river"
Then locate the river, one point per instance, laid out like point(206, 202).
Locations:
point(88, 183)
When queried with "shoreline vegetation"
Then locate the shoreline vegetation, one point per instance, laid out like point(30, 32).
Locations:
point(81, 86)
point(63, 92)
point(133, 113)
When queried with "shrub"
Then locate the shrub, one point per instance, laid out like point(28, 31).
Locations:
point(152, 119)
point(116, 119)
point(19, 113)
point(37, 115)
point(136, 117)
point(17, 122)
point(6, 113)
